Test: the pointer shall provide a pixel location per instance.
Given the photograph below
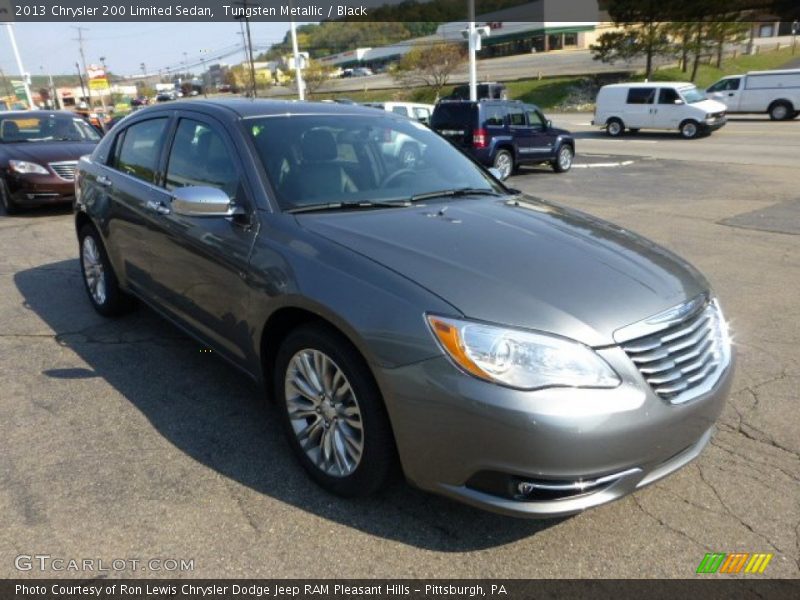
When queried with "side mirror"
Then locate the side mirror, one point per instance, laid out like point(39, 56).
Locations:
point(548, 124)
point(678, 101)
point(496, 173)
point(201, 201)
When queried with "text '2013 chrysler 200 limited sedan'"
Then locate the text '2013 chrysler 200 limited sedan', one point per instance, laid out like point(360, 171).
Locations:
point(508, 352)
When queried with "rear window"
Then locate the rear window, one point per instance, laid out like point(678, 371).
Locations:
point(454, 115)
point(641, 95)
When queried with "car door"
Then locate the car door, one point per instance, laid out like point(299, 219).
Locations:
point(201, 262)
point(638, 111)
point(669, 109)
point(521, 133)
point(728, 92)
point(130, 186)
point(542, 137)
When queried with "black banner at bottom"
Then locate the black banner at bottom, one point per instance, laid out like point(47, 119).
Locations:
point(411, 589)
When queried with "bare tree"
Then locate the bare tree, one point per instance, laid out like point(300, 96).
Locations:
point(430, 65)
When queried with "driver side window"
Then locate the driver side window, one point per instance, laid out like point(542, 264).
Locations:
point(199, 157)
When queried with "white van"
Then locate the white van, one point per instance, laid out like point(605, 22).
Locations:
point(776, 93)
point(657, 105)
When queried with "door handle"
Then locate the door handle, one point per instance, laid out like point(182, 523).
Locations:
point(103, 180)
point(157, 207)
point(730, 93)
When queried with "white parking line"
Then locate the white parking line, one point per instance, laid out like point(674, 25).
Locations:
point(624, 163)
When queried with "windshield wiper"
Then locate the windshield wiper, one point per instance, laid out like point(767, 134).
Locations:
point(454, 193)
point(321, 206)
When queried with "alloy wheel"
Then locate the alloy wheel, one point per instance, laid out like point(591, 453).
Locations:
point(93, 270)
point(689, 130)
point(565, 158)
point(324, 413)
point(503, 164)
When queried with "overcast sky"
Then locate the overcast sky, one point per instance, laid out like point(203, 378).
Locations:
point(127, 45)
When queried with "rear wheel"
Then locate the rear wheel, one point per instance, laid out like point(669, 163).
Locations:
point(333, 413)
point(690, 129)
point(781, 111)
point(504, 163)
point(9, 205)
point(615, 127)
point(99, 278)
point(563, 161)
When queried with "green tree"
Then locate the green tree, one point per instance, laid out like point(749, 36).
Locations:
point(430, 65)
point(644, 31)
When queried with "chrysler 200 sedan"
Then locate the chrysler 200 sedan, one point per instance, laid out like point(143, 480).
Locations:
point(503, 350)
point(38, 153)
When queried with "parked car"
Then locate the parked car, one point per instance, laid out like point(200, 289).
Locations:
point(166, 97)
point(508, 352)
point(486, 91)
point(362, 72)
point(776, 93)
point(659, 105)
point(504, 134)
point(415, 110)
point(38, 153)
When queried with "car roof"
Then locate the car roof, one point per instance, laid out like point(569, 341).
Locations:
point(38, 113)
point(245, 107)
point(651, 84)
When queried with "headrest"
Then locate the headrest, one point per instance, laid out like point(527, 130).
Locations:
point(319, 144)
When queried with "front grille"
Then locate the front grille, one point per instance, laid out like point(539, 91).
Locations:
point(65, 170)
point(685, 358)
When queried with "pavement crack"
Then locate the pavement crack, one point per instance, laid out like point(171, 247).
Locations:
point(666, 525)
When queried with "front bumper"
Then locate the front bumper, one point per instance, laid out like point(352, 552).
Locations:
point(37, 190)
point(475, 441)
point(709, 126)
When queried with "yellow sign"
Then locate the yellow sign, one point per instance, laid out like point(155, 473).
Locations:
point(100, 83)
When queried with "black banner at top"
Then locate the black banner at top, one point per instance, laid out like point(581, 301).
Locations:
point(584, 11)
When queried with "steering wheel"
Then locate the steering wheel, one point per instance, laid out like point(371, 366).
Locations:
point(397, 174)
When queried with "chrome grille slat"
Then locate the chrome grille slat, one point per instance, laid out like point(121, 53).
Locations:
point(685, 358)
point(65, 169)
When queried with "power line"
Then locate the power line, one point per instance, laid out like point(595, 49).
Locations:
point(79, 39)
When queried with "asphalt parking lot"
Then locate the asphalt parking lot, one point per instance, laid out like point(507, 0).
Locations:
point(124, 440)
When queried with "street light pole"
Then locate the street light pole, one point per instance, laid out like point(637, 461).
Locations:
point(25, 80)
point(795, 31)
point(473, 67)
point(298, 71)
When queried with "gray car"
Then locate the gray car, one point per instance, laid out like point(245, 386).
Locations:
point(500, 349)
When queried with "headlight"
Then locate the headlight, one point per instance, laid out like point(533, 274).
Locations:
point(26, 168)
point(521, 359)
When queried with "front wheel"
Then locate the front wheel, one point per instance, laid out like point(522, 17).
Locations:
point(504, 163)
point(615, 127)
point(690, 129)
point(99, 278)
point(563, 161)
point(333, 413)
point(9, 205)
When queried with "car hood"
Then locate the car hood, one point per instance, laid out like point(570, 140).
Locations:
point(523, 263)
point(46, 152)
point(710, 106)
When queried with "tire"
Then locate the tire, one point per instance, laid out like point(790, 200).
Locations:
point(689, 129)
point(9, 206)
point(99, 278)
point(615, 127)
point(781, 111)
point(332, 410)
point(409, 156)
point(504, 162)
point(563, 161)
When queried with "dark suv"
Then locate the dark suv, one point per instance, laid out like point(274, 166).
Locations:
point(504, 134)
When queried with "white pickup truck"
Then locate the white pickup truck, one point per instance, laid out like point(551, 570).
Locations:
point(776, 93)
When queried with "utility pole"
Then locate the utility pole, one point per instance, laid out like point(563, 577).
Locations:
point(80, 78)
point(203, 52)
point(79, 39)
point(108, 79)
point(795, 31)
point(246, 19)
point(25, 77)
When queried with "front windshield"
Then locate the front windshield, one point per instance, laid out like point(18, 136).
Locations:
point(314, 159)
point(692, 95)
point(47, 128)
